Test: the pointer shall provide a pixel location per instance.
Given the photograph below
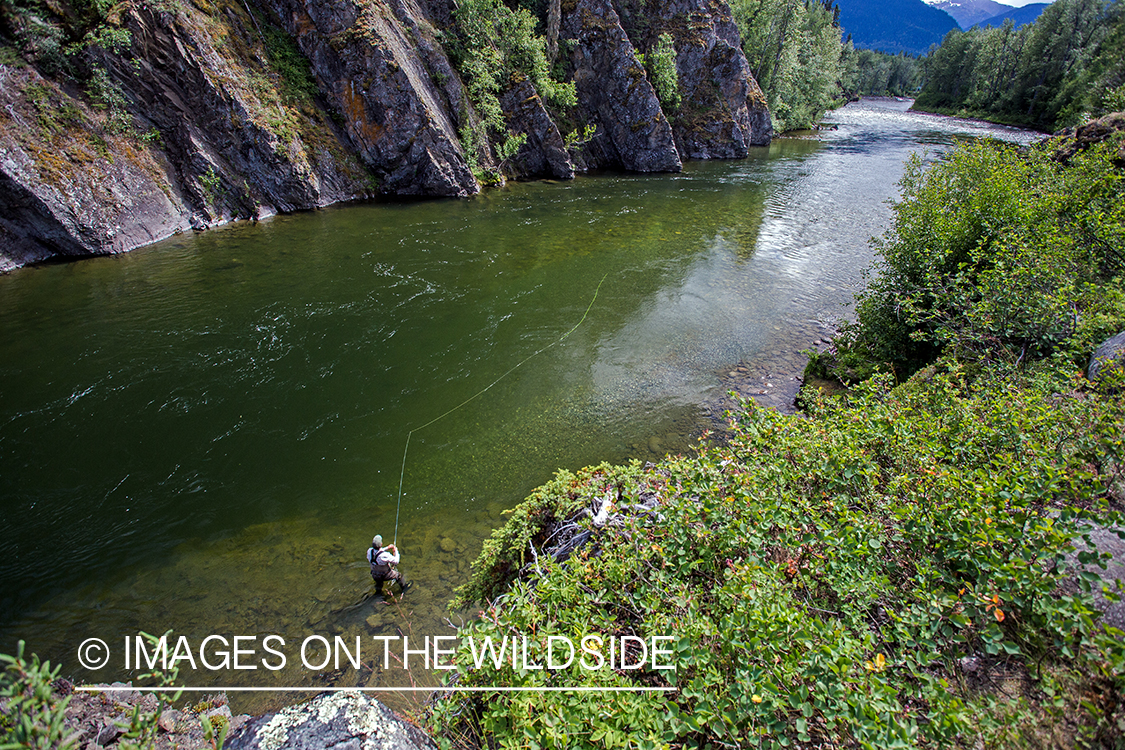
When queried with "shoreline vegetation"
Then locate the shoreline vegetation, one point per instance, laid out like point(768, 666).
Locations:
point(1057, 72)
point(913, 563)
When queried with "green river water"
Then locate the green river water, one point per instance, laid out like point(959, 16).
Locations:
point(204, 434)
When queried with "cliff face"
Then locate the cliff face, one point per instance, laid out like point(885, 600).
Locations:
point(723, 111)
point(165, 115)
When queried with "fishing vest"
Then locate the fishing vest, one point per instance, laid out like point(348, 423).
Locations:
point(378, 569)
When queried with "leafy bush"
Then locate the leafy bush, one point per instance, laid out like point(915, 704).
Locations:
point(111, 38)
point(33, 714)
point(661, 64)
point(495, 42)
point(994, 254)
point(33, 717)
point(505, 552)
point(824, 577)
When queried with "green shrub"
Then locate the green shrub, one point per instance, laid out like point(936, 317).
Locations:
point(34, 715)
point(823, 577)
point(493, 46)
point(110, 38)
point(863, 575)
point(994, 255)
point(661, 65)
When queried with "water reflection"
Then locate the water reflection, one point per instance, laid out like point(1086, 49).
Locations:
point(205, 434)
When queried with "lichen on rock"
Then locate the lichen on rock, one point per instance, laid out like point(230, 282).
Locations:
point(338, 719)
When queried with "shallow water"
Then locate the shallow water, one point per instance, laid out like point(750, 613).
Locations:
point(204, 434)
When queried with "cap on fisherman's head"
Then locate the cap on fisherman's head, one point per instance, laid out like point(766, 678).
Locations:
point(377, 541)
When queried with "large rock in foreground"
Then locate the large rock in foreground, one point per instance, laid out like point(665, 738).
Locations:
point(331, 720)
point(1107, 358)
point(1070, 141)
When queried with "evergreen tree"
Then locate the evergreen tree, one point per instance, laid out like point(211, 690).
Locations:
point(1067, 65)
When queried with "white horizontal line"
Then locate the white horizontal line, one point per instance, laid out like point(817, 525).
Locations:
point(438, 689)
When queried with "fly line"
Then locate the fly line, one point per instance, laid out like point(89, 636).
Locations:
point(481, 392)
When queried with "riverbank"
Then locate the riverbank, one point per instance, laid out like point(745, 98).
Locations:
point(918, 563)
point(983, 116)
point(162, 120)
point(841, 575)
point(269, 374)
point(56, 715)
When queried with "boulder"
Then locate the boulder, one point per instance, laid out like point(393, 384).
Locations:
point(342, 719)
point(1070, 141)
point(1107, 357)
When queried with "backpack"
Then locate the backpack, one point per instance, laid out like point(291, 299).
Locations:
point(379, 568)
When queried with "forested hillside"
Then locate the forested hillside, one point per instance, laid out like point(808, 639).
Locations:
point(870, 73)
point(1066, 66)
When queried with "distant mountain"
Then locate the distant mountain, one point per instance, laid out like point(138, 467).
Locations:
point(1026, 14)
point(968, 13)
point(894, 26)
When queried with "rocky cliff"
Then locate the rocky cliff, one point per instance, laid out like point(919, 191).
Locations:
point(121, 124)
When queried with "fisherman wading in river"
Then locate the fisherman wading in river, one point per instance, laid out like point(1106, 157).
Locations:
point(383, 561)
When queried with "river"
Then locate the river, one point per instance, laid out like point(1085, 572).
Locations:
point(203, 435)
